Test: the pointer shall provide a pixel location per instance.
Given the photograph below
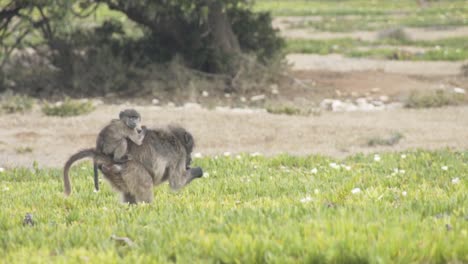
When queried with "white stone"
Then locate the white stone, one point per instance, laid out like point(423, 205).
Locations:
point(155, 101)
point(459, 90)
point(192, 106)
point(257, 97)
point(205, 94)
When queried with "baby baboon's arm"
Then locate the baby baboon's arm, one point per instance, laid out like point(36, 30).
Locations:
point(120, 151)
point(136, 137)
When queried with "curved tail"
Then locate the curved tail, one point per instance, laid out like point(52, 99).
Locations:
point(85, 153)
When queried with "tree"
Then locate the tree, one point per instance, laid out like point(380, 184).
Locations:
point(211, 35)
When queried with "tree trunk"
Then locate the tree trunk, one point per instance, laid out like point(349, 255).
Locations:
point(221, 30)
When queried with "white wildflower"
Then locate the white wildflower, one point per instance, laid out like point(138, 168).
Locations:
point(316, 191)
point(355, 190)
point(404, 193)
point(377, 157)
point(105, 208)
point(96, 191)
point(444, 168)
point(456, 180)
point(334, 165)
point(6, 188)
point(198, 155)
point(402, 171)
point(403, 156)
point(206, 175)
point(348, 168)
point(255, 154)
point(306, 199)
point(238, 157)
point(227, 154)
point(2, 169)
point(314, 171)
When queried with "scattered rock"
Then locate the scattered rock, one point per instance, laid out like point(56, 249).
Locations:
point(192, 106)
point(243, 99)
point(360, 104)
point(384, 98)
point(205, 94)
point(171, 104)
point(258, 98)
point(155, 101)
point(28, 220)
point(459, 90)
point(274, 89)
point(227, 95)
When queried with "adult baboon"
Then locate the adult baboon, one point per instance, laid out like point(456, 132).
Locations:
point(164, 155)
point(112, 139)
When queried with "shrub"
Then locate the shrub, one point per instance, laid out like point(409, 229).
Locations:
point(430, 99)
point(16, 103)
point(68, 108)
point(389, 141)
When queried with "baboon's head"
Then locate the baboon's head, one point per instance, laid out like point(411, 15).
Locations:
point(131, 118)
point(187, 141)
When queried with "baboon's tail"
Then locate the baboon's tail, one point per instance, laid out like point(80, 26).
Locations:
point(85, 153)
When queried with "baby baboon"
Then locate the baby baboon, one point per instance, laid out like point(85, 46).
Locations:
point(164, 155)
point(112, 140)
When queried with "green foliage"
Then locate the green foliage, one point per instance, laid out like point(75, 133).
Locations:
point(437, 98)
point(286, 110)
point(84, 48)
point(388, 141)
point(255, 33)
point(250, 210)
point(24, 150)
point(450, 49)
point(10, 103)
point(68, 108)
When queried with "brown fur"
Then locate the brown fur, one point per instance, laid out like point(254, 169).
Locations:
point(163, 156)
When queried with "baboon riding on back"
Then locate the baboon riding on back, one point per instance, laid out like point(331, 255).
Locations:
point(164, 155)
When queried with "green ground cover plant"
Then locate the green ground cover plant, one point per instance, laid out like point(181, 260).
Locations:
point(450, 49)
point(388, 208)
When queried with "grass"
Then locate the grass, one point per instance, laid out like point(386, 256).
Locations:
point(429, 99)
point(286, 110)
point(451, 49)
point(68, 108)
point(344, 16)
point(281, 209)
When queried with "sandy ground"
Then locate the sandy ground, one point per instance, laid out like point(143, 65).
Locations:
point(338, 63)
point(53, 139)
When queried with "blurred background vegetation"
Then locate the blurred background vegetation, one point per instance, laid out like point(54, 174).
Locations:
point(97, 47)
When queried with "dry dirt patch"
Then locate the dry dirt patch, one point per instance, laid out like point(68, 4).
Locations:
point(336, 134)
